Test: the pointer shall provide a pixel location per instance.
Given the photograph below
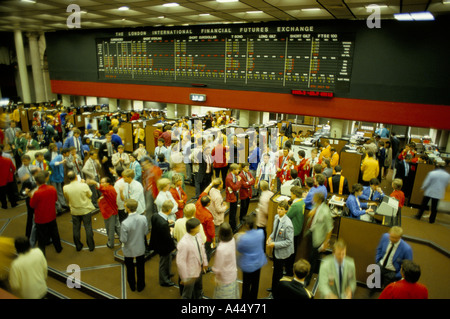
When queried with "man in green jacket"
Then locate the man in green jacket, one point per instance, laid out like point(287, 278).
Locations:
point(296, 214)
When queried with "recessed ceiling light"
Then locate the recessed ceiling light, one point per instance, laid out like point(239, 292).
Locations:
point(171, 4)
point(422, 16)
point(381, 6)
point(29, 1)
point(311, 9)
point(124, 8)
point(224, 1)
point(251, 12)
point(403, 17)
point(414, 16)
point(204, 14)
point(161, 17)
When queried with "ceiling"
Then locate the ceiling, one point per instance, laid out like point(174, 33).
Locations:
point(51, 15)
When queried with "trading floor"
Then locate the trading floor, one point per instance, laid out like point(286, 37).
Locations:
point(103, 273)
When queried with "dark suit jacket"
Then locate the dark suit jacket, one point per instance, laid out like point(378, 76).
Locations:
point(160, 240)
point(103, 151)
point(291, 290)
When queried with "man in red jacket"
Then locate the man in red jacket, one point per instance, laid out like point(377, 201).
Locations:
point(203, 214)
point(245, 192)
point(232, 186)
point(407, 287)
point(43, 200)
point(7, 170)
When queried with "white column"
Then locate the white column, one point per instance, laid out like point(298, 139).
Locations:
point(126, 105)
point(91, 100)
point(23, 74)
point(265, 117)
point(244, 118)
point(65, 100)
point(112, 105)
point(336, 128)
point(38, 78)
point(170, 110)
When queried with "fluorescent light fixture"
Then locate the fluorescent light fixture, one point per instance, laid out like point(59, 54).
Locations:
point(124, 8)
point(171, 4)
point(204, 14)
point(251, 12)
point(29, 1)
point(445, 1)
point(225, 1)
point(161, 17)
point(422, 16)
point(414, 16)
point(403, 17)
point(381, 6)
point(311, 9)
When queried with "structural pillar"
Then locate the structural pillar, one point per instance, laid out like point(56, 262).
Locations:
point(112, 105)
point(38, 78)
point(170, 110)
point(244, 116)
point(66, 100)
point(22, 64)
point(336, 128)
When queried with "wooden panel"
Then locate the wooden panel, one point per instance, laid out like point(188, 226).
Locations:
point(362, 239)
point(351, 166)
point(24, 120)
point(127, 132)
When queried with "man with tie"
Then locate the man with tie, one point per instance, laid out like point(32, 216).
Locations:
point(120, 158)
point(133, 233)
point(191, 260)
point(373, 192)
point(337, 278)
point(75, 141)
point(282, 242)
point(266, 171)
point(391, 252)
point(105, 153)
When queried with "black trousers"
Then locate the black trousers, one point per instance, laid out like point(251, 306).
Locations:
point(223, 170)
point(7, 191)
point(250, 284)
point(278, 266)
point(265, 237)
point(232, 215)
point(244, 208)
point(424, 206)
point(45, 232)
point(291, 259)
point(133, 270)
point(30, 216)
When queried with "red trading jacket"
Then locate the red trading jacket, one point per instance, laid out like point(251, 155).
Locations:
point(176, 196)
point(108, 202)
point(206, 219)
point(231, 196)
point(43, 201)
point(7, 170)
point(246, 186)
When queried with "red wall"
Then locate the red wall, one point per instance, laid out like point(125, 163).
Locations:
point(410, 114)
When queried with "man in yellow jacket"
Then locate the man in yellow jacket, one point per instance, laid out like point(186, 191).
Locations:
point(369, 168)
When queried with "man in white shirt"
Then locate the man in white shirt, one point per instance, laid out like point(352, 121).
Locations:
point(120, 158)
point(266, 171)
point(28, 272)
point(78, 197)
point(132, 189)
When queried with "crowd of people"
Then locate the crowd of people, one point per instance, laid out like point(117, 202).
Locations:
point(143, 200)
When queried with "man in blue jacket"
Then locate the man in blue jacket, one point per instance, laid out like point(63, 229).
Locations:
point(57, 178)
point(391, 252)
point(372, 192)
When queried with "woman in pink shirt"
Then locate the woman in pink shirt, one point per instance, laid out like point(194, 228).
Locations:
point(225, 267)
